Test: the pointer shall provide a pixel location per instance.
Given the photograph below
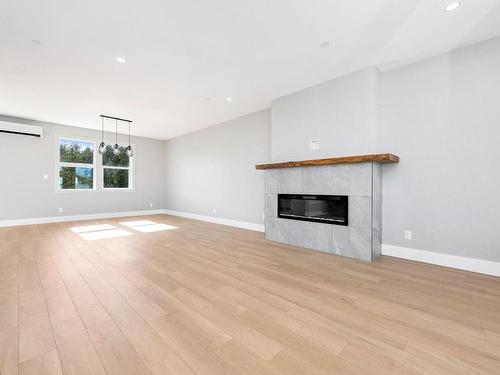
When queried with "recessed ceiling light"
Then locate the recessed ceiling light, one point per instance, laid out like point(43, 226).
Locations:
point(121, 60)
point(229, 99)
point(324, 44)
point(452, 6)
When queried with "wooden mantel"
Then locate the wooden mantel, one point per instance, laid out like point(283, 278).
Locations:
point(377, 158)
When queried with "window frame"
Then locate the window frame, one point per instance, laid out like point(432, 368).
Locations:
point(59, 164)
point(130, 168)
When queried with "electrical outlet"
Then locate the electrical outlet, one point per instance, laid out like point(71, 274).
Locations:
point(214, 210)
point(407, 234)
point(263, 216)
point(60, 210)
point(45, 176)
point(151, 205)
point(314, 144)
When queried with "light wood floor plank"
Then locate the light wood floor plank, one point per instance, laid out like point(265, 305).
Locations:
point(191, 350)
point(76, 351)
point(115, 352)
point(44, 364)
point(35, 331)
point(9, 351)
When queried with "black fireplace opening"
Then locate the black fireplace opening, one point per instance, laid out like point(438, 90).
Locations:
point(331, 209)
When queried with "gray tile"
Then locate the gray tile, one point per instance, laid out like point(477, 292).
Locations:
point(339, 242)
point(317, 180)
point(289, 231)
point(271, 177)
point(308, 234)
point(376, 243)
point(377, 213)
point(316, 236)
point(360, 213)
point(290, 180)
point(360, 243)
point(340, 179)
point(271, 205)
point(360, 179)
point(271, 230)
point(377, 180)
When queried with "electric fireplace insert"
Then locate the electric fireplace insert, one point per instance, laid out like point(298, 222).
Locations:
point(331, 209)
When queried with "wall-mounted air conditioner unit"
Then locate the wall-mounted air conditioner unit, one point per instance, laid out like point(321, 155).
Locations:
point(21, 129)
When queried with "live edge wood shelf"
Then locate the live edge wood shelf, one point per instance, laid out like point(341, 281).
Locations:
point(378, 158)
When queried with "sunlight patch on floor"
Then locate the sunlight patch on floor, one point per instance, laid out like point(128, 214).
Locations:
point(91, 228)
point(138, 223)
point(154, 228)
point(103, 234)
point(148, 226)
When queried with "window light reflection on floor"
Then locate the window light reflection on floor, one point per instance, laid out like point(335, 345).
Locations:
point(103, 234)
point(147, 226)
point(154, 228)
point(138, 223)
point(91, 228)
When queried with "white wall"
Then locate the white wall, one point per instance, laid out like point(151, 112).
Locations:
point(25, 194)
point(341, 113)
point(442, 117)
point(215, 168)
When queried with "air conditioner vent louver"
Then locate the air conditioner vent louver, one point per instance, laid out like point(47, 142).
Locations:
point(21, 129)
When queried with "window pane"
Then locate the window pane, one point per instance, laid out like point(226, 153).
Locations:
point(115, 178)
point(111, 160)
point(76, 178)
point(76, 151)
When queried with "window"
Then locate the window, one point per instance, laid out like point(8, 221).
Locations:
point(116, 169)
point(76, 164)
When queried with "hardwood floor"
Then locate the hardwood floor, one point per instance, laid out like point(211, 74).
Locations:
point(208, 299)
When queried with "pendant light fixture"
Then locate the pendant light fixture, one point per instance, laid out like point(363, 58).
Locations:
point(129, 151)
point(102, 145)
point(116, 148)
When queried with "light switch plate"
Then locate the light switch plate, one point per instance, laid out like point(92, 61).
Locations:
point(314, 144)
point(407, 234)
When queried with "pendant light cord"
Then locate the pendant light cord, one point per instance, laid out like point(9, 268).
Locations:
point(102, 129)
point(116, 132)
point(129, 133)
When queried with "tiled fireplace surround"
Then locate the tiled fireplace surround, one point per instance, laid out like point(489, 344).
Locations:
point(362, 182)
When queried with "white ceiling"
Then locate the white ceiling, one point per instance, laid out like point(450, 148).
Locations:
point(181, 52)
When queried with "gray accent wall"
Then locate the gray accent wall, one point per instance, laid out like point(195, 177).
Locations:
point(25, 194)
point(442, 117)
point(341, 113)
point(214, 168)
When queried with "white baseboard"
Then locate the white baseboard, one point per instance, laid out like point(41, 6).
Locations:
point(108, 215)
point(453, 261)
point(218, 220)
point(59, 219)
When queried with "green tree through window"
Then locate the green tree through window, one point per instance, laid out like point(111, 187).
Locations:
point(76, 162)
point(116, 169)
